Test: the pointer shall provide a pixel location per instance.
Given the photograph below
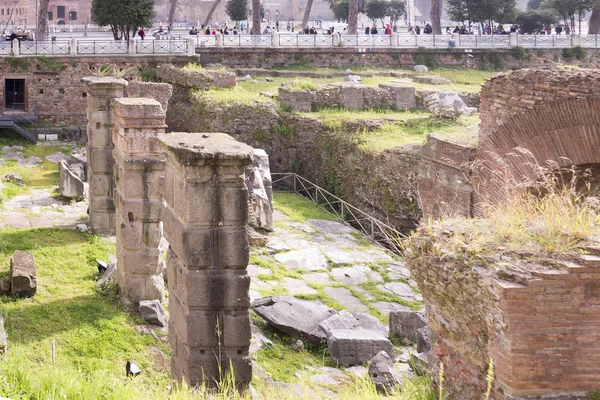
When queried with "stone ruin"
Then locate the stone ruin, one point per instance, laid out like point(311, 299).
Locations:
point(191, 188)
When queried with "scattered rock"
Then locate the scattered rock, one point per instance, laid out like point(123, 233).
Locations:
point(431, 80)
point(244, 78)
point(108, 274)
point(370, 323)
point(347, 71)
point(82, 228)
point(33, 160)
point(445, 104)
point(132, 369)
point(259, 340)
point(353, 79)
point(423, 341)
point(346, 299)
point(404, 324)
point(3, 338)
point(310, 259)
point(268, 79)
point(356, 346)
point(256, 239)
point(71, 186)
point(420, 68)
point(14, 178)
point(298, 346)
point(381, 372)
point(341, 320)
point(294, 317)
point(4, 287)
point(22, 274)
point(419, 363)
point(152, 311)
point(102, 266)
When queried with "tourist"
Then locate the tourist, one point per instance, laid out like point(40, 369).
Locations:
point(388, 29)
point(267, 30)
point(411, 30)
point(193, 31)
point(567, 29)
point(558, 29)
point(367, 30)
point(417, 30)
point(142, 33)
point(374, 30)
point(448, 30)
point(548, 30)
point(428, 29)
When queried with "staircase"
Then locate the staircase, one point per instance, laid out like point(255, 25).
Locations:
point(13, 121)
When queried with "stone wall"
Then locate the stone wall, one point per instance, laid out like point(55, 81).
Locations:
point(53, 85)
point(536, 317)
point(200, 79)
point(383, 184)
point(382, 57)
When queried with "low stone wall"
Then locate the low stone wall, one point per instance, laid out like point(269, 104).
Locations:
point(349, 96)
point(201, 79)
point(536, 318)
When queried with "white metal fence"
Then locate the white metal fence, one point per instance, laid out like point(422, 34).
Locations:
point(96, 47)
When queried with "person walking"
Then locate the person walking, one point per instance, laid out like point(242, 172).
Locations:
point(142, 33)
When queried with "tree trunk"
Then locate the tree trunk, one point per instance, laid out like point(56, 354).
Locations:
point(436, 16)
point(41, 31)
point(353, 17)
point(172, 8)
point(210, 12)
point(594, 24)
point(309, 4)
point(256, 17)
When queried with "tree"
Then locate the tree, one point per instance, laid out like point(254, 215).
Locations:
point(534, 4)
point(460, 10)
point(482, 10)
point(376, 9)
point(237, 9)
point(395, 9)
point(436, 15)
point(256, 17)
point(211, 12)
point(505, 12)
point(568, 9)
point(352, 17)
point(41, 32)
point(534, 20)
point(123, 16)
point(309, 4)
point(594, 24)
point(340, 9)
point(172, 8)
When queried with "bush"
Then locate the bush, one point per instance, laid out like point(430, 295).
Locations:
point(428, 59)
point(493, 62)
point(520, 53)
point(577, 52)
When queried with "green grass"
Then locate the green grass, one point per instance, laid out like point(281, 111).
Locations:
point(299, 209)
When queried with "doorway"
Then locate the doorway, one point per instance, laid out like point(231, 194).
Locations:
point(14, 93)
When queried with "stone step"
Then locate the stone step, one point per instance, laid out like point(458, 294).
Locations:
point(590, 260)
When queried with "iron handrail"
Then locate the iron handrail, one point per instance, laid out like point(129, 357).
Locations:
point(379, 232)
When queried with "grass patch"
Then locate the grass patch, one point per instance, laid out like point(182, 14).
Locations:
point(299, 209)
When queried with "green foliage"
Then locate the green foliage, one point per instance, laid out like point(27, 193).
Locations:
point(493, 61)
point(481, 10)
point(520, 53)
point(285, 130)
point(531, 21)
point(18, 64)
point(196, 58)
point(46, 64)
point(124, 17)
point(237, 9)
point(395, 9)
point(534, 4)
point(577, 52)
point(147, 73)
point(376, 9)
point(426, 58)
point(299, 209)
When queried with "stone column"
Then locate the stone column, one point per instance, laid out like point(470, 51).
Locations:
point(512, 39)
point(15, 47)
point(99, 151)
point(73, 47)
point(139, 177)
point(205, 224)
point(456, 38)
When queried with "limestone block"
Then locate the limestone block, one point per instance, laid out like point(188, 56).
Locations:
point(356, 346)
point(70, 185)
point(404, 324)
point(23, 281)
point(352, 97)
point(446, 104)
point(405, 96)
point(204, 288)
point(260, 198)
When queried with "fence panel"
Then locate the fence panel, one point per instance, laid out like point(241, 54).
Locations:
point(48, 47)
point(588, 41)
point(5, 48)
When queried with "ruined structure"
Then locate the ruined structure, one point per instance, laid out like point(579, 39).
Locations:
point(546, 114)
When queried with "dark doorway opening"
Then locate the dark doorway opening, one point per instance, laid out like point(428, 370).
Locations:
point(14, 92)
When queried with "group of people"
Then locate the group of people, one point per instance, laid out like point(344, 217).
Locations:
point(207, 30)
point(505, 30)
point(19, 34)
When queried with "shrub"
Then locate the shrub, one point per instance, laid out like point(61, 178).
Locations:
point(428, 59)
point(520, 53)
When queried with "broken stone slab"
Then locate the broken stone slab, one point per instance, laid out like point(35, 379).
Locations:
point(108, 274)
point(23, 281)
point(71, 186)
point(152, 311)
point(3, 338)
point(381, 372)
point(419, 363)
point(341, 320)
point(420, 68)
point(346, 299)
point(258, 340)
point(353, 79)
point(326, 226)
point(400, 289)
point(256, 239)
point(294, 317)
point(310, 259)
point(445, 104)
point(355, 275)
point(423, 339)
point(404, 324)
point(356, 346)
point(370, 323)
point(14, 178)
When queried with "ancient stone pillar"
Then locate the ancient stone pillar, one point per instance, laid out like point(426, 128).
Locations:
point(139, 176)
point(205, 224)
point(99, 151)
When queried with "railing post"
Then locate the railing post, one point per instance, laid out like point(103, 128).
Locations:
point(15, 47)
point(513, 41)
point(131, 46)
point(456, 38)
point(191, 45)
point(274, 39)
point(73, 48)
point(295, 178)
point(575, 40)
point(219, 39)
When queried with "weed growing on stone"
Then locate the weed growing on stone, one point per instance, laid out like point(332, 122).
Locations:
point(299, 209)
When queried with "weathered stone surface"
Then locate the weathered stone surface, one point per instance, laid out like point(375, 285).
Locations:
point(202, 79)
point(320, 278)
point(431, 80)
point(356, 275)
point(385, 307)
point(341, 320)
point(404, 324)
point(23, 281)
point(420, 68)
point(108, 274)
point(152, 311)
point(259, 340)
point(326, 226)
point(4, 287)
point(381, 372)
point(423, 340)
point(3, 338)
point(305, 260)
point(294, 317)
point(352, 347)
point(260, 192)
point(71, 186)
point(370, 323)
point(256, 239)
point(353, 79)
point(397, 271)
point(13, 177)
point(419, 363)
point(445, 104)
point(400, 289)
point(346, 299)
point(297, 286)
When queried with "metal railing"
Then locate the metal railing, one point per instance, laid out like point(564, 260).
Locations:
point(94, 47)
point(49, 47)
point(379, 232)
point(102, 47)
point(174, 46)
